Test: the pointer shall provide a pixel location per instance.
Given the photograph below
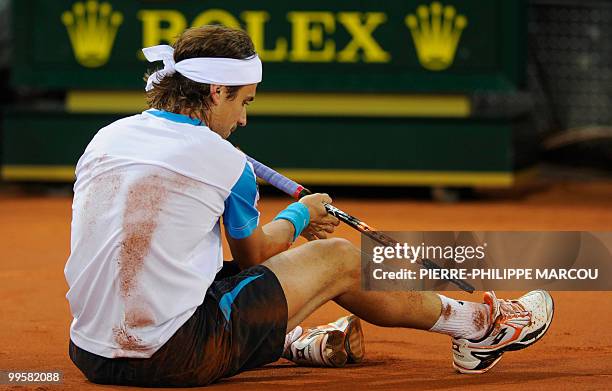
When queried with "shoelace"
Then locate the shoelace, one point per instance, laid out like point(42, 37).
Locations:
point(510, 309)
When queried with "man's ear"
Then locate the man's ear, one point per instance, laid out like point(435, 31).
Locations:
point(215, 93)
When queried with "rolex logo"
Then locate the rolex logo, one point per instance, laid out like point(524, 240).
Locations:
point(92, 28)
point(436, 31)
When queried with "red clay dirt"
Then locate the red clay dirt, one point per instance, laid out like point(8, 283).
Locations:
point(576, 353)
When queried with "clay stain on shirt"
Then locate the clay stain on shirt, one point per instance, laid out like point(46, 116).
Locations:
point(140, 219)
point(138, 317)
point(144, 202)
point(128, 341)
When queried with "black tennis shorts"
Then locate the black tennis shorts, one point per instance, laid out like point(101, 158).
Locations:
point(240, 325)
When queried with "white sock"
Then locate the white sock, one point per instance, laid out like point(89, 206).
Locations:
point(462, 319)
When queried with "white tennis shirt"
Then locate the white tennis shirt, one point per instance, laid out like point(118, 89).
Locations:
point(145, 239)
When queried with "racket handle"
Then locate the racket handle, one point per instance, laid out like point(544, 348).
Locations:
point(277, 180)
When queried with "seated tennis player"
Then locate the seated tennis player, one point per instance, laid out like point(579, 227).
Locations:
point(152, 300)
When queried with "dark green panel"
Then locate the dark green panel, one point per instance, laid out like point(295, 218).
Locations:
point(402, 144)
point(335, 143)
point(489, 53)
point(43, 138)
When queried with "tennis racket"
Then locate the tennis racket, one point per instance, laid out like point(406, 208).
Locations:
point(298, 191)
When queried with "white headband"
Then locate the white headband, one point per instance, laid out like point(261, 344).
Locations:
point(209, 70)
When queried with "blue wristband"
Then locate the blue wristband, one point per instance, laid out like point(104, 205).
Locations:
point(298, 214)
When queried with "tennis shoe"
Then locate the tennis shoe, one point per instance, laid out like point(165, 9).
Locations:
point(354, 342)
point(516, 325)
point(292, 336)
point(330, 345)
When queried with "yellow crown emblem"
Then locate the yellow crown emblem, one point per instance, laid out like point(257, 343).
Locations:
point(92, 28)
point(436, 32)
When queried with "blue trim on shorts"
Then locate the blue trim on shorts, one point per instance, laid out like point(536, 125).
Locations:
point(225, 304)
point(174, 117)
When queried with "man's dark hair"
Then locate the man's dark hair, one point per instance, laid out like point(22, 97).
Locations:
point(176, 93)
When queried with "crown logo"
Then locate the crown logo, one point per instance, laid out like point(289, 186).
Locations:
point(92, 28)
point(436, 32)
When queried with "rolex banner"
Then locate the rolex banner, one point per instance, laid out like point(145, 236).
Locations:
point(557, 260)
point(390, 46)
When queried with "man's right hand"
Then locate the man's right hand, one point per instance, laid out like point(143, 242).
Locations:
point(321, 223)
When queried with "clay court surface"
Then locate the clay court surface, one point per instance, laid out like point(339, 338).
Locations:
point(576, 353)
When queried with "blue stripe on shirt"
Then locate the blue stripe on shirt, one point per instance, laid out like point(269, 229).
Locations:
point(174, 117)
point(240, 216)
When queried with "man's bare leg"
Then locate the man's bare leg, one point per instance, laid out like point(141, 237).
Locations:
point(324, 270)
